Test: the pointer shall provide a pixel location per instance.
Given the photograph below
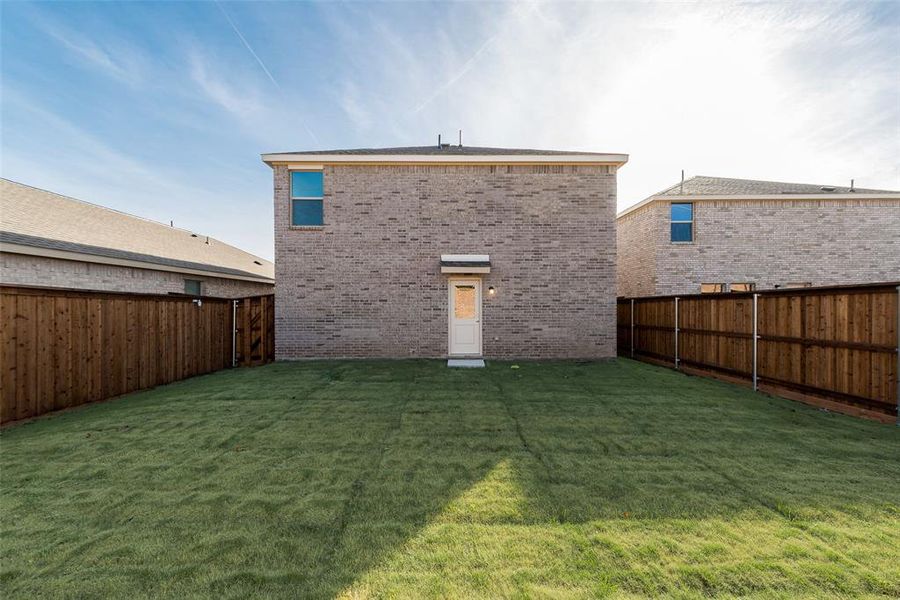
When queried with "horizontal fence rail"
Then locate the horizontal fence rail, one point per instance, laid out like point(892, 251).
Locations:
point(64, 348)
point(833, 347)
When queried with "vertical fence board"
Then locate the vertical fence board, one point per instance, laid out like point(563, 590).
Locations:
point(8, 322)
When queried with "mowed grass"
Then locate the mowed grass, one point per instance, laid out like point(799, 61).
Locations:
point(411, 480)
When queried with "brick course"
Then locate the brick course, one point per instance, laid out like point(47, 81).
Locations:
point(766, 242)
point(368, 284)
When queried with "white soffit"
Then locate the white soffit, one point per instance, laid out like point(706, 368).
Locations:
point(298, 160)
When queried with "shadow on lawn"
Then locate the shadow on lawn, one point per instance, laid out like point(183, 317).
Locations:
point(298, 479)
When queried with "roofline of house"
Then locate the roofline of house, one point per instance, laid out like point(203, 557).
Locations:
point(309, 161)
point(13, 248)
point(757, 197)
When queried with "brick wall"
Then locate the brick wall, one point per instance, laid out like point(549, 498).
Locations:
point(20, 269)
point(769, 243)
point(636, 265)
point(369, 282)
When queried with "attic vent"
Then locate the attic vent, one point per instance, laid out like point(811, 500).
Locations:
point(193, 235)
point(256, 262)
point(828, 188)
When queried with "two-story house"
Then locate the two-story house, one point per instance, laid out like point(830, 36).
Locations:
point(443, 251)
point(712, 234)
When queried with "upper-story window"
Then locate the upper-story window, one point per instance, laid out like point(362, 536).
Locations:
point(307, 190)
point(682, 221)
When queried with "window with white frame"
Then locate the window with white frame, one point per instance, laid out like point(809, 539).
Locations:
point(682, 215)
point(307, 192)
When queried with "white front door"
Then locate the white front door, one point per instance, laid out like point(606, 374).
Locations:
point(465, 317)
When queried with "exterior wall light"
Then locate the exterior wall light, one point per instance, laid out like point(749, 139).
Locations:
point(491, 291)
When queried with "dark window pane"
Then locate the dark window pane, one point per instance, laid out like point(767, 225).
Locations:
point(682, 232)
point(192, 287)
point(306, 184)
point(682, 211)
point(307, 212)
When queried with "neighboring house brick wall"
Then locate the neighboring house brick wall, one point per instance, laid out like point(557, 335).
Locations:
point(636, 265)
point(21, 269)
point(369, 284)
point(773, 242)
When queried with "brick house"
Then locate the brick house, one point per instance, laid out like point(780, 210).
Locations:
point(712, 234)
point(55, 241)
point(445, 251)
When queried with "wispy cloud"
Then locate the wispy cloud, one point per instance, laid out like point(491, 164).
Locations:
point(117, 62)
point(241, 101)
point(354, 105)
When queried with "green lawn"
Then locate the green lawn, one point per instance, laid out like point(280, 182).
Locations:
point(408, 479)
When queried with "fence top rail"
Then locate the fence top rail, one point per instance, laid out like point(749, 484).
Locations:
point(859, 288)
point(37, 290)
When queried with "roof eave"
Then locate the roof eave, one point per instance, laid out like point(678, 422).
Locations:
point(780, 197)
point(426, 159)
point(29, 250)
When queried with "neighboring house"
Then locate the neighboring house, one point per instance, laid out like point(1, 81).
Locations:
point(712, 234)
point(52, 240)
point(445, 250)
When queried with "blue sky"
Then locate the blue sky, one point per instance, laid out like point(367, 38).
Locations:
point(162, 109)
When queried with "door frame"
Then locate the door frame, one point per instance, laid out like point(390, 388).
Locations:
point(451, 283)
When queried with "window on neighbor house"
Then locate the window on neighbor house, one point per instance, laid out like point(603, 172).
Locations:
point(193, 287)
point(743, 287)
point(802, 284)
point(682, 214)
point(307, 191)
point(712, 288)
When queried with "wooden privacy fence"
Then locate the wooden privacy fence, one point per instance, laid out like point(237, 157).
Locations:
point(63, 348)
point(832, 347)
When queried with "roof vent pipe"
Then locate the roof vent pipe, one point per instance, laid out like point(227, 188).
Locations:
point(852, 187)
point(681, 189)
point(460, 138)
point(439, 140)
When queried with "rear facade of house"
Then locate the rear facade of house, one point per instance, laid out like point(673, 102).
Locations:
point(50, 240)
point(445, 251)
point(712, 234)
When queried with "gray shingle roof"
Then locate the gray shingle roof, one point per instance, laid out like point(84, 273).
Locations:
point(723, 186)
point(445, 149)
point(41, 219)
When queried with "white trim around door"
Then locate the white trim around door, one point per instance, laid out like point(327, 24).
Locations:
point(464, 316)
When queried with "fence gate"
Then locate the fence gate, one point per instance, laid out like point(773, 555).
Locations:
point(253, 331)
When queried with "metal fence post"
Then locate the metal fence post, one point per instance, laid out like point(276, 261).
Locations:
point(234, 304)
point(755, 336)
point(632, 328)
point(676, 333)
